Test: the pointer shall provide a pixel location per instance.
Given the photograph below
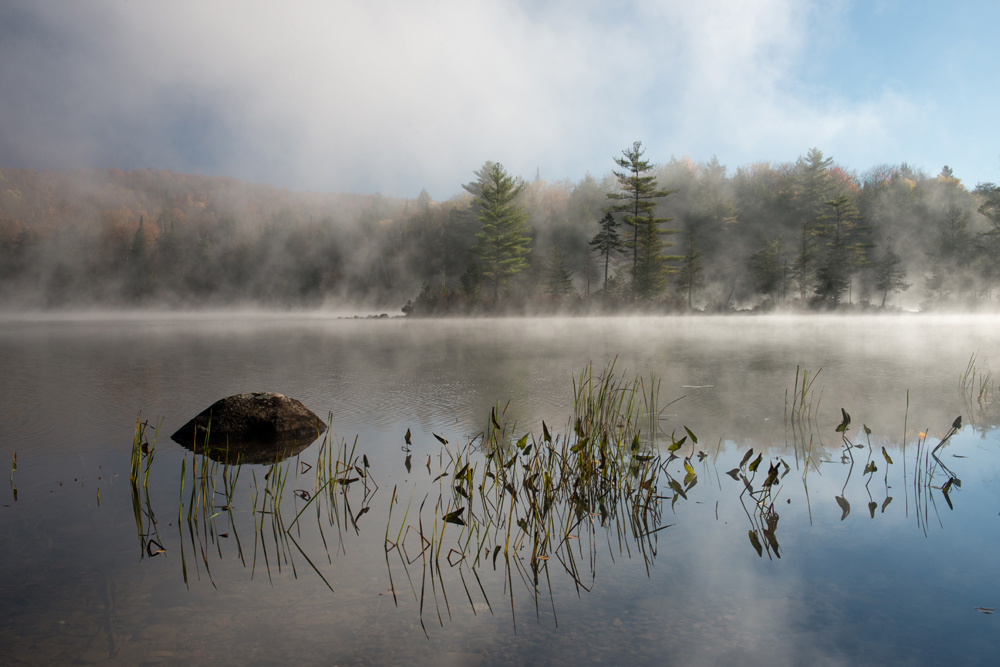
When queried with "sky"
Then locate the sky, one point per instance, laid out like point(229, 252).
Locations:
point(395, 96)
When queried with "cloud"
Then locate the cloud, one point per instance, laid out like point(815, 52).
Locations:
point(394, 96)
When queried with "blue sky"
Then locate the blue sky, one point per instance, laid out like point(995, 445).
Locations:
point(396, 96)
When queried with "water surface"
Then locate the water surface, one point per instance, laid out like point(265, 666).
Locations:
point(900, 587)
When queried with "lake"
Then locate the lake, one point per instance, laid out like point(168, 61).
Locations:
point(823, 553)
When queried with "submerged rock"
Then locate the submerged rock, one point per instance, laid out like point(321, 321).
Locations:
point(256, 427)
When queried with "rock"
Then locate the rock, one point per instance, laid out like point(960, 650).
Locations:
point(256, 428)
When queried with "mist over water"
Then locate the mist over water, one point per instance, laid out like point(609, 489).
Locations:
point(723, 377)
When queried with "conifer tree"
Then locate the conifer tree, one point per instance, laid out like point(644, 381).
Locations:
point(471, 279)
point(638, 194)
point(767, 269)
point(649, 276)
point(608, 242)
point(560, 279)
point(691, 276)
point(503, 241)
point(813, 188)
point(889, 275)
point(847, 250)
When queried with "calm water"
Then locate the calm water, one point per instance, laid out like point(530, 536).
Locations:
point(900, 587)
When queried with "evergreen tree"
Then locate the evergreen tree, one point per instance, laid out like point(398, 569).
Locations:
point(988, 242)
point(889, 275)
point(638, 193)
point(846, 249)
point(813, 188)
point(805, 256)
point(608, 242)
point(950, 260)
point(767, 268)
point(504, 241)
point(559, 278)
point(471, 280)
point(690, 277)
point(649, 275)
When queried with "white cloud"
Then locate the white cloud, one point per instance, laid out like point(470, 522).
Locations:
point(396, 95)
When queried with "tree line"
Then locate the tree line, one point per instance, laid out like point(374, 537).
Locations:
point(669, 237)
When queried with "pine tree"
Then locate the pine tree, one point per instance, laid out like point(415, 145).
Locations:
point(638, 194)
point(560, 279)
point(813, 188)
point(691, 276)
point(649, 275)
point(847, 251)
point(767, 268)
point(503, 242)
point(988, 242)
point(471, 279)
point(889, 275)
point(608, 242)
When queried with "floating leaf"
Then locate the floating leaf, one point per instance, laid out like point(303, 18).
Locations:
point(734, 473)
point(407, 463)
point(772, 540)
point(690, 481)
point(677, 444)
point(845, 423)
point(870, 468)
point(886, 455)
point(677, 488)
point(844, 505)
point(406, 438)
point(440, 439)
point(455, 517)
point(522, 442)
point(772, 475)
point(746, 457)
point(985, 610)
point(756, 462)
point(691, 435)
point(885, 503)
point(545, 432)
point(868, 431)
point(701, 455)
point(687, 467)
point(755, 541)
point(872, 506)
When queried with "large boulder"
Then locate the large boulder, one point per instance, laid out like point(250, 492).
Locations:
point(256, 427)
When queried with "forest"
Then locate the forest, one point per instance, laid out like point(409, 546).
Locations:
point(673, 237)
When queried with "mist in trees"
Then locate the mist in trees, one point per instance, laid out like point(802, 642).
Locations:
point(809, 234)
